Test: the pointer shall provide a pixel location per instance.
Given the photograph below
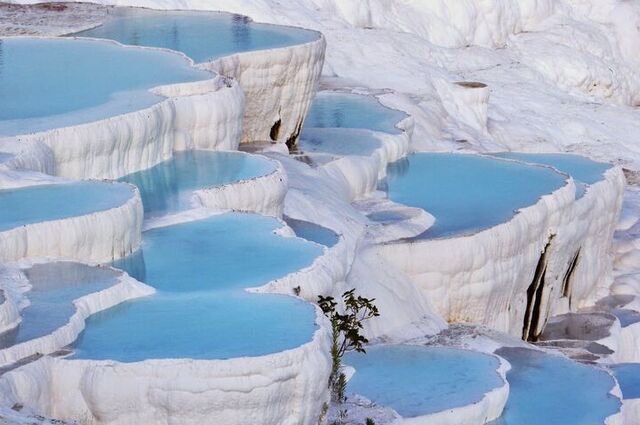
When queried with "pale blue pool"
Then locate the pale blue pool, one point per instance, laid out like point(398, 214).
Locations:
point(48, 83)
point(583, 170)
point(54, 288)
point(467, 193)
point(346, 110)
point(48, 202)
point(201, 310)
point(418, 380)
point(337, 142)
point(200, 35)
point(552, 390)
point(168, 187)
point(628, 376)
point(313, 232)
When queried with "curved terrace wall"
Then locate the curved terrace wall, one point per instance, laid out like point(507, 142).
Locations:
point(279, 85)
point(484, 277)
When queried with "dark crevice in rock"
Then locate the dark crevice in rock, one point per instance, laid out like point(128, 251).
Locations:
point(275, 130)
point(535, 292)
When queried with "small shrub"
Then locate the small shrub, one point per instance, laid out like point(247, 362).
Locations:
point(346, 333)
point(369, 421)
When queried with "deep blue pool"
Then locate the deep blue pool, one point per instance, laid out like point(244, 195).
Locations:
point(467, 193)
point(200, 35)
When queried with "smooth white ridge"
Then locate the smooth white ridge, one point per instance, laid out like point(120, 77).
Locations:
point(99, 237)
point(262, 195)
point(279, 85)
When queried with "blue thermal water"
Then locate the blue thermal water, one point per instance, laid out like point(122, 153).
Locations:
point(552, 390)
point(201, 36)
point(628, 376)
point(344, 110)
point(583, 170)
point(50, 83)
point(419, 380)
point(627, 317)
point(168, 186)
point(467, 193)
point(56, 201)
point(201, 310)
point(337, 142)
point(54, 288)
point(313, 232)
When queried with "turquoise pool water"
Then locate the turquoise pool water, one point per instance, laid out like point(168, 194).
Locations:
point(201, 310)
point(48, 202)
point(467, 193)
point(54, 288)
point(168, 186)
point(345, 110)
point(50, 83)
point(200, 35)
point(628, 376)
point(552, 390)
point(418, 380)
point(337, 142)
point(583, 170)
point(313, 232)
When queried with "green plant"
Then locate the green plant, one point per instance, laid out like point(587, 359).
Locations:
point(296, 291)
point(347, 335)
point(369, 421)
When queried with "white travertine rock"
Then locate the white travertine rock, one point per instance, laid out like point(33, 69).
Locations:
point(484, 277)
point(199, 115)
point(101, 236)
point(279, 85)
point(262, 195)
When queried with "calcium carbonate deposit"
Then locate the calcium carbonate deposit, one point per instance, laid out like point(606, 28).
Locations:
point(320, 212)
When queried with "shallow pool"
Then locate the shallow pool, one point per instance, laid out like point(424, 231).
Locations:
point(552, 390)
point(628, 376)
point(168, 187)
point(583, 170)
point(467, 193)
point(313, 232)
point(200, 35)
point(48, 202)
point(345, 110)
point(201, 310)
point(54, 288)
point(419, 380)
point(48, 83)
